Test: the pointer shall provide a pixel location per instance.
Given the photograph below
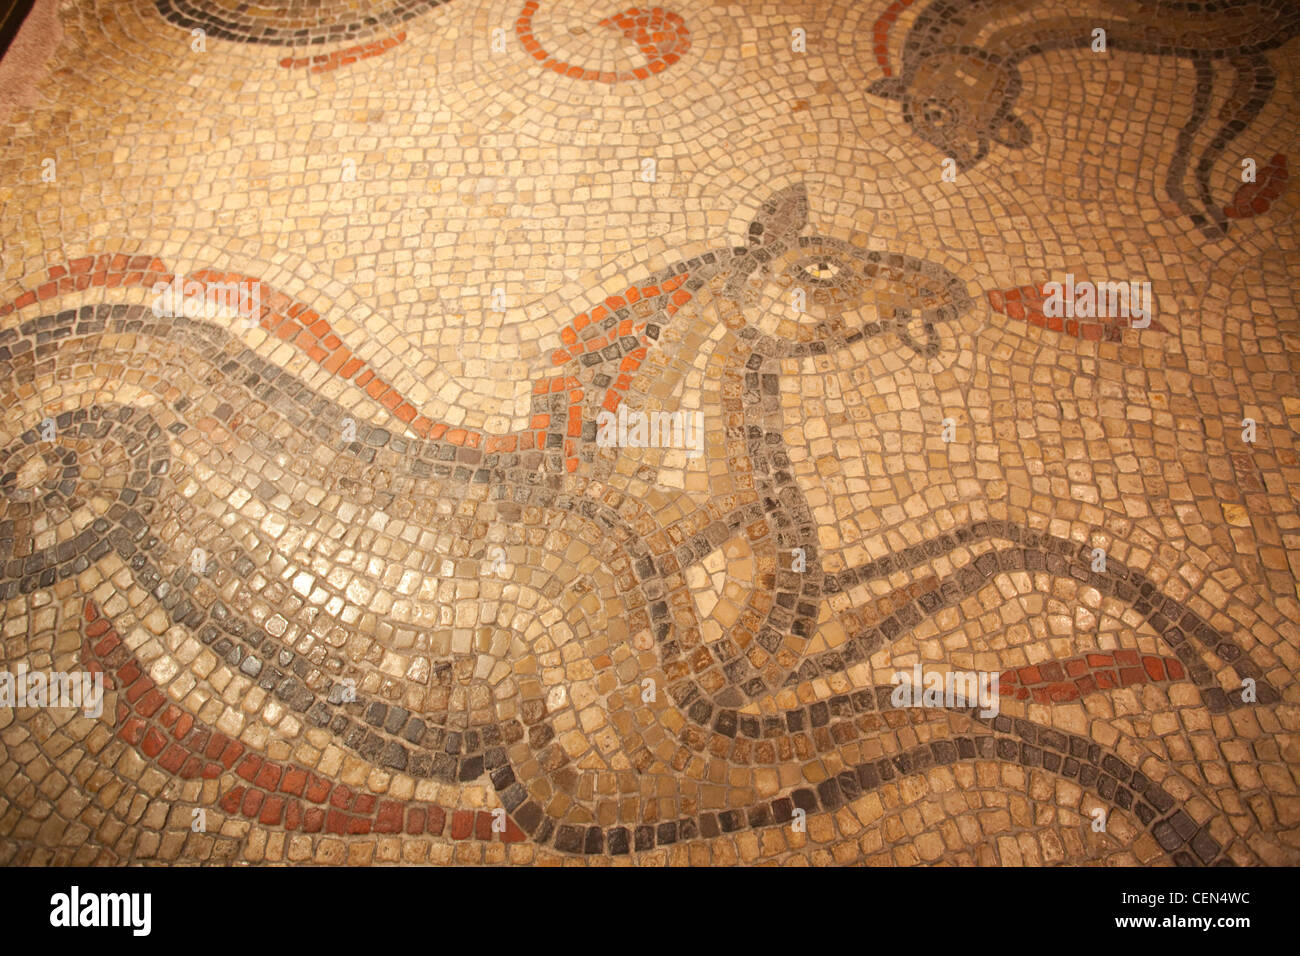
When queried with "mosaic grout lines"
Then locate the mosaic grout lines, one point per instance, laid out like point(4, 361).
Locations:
point(430, 606)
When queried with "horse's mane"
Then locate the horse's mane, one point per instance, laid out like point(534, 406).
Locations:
point(880, 32)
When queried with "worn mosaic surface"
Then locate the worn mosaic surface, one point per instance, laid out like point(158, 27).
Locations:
point(366, 584)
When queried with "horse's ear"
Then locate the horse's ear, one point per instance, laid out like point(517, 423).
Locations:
point(782, 217)
point(890, 88)
point(1012, 132)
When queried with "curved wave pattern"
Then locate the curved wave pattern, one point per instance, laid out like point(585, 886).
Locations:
point(419, 509)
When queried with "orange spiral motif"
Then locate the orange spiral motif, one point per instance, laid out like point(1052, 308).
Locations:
point(661, 35)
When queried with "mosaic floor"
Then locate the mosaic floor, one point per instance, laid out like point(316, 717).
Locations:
point(314, 318)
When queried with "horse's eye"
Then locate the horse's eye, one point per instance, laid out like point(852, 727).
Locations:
point(936, 114)
point(818, 269)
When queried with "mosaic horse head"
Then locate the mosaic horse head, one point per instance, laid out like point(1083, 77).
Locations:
point(630, 663)
point(961, 80)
